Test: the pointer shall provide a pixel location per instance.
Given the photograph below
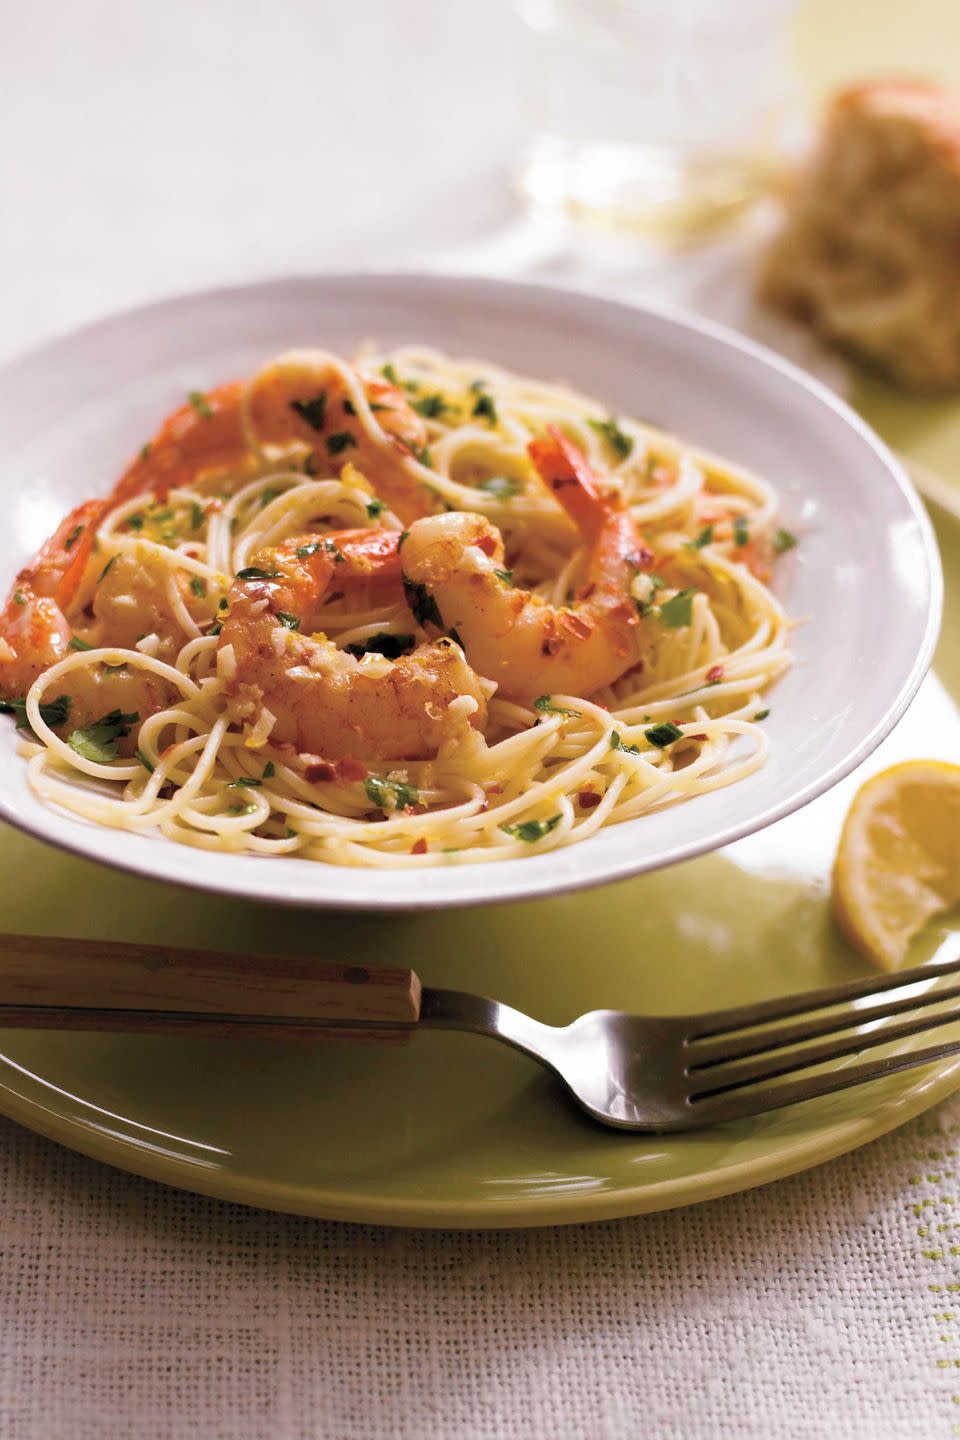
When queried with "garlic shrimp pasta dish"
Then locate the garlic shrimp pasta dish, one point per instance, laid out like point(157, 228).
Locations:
point(404, 612)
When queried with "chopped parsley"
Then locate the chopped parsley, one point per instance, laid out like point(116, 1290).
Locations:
point(616, 743)
point(243, 780)
point(486, 409)
point(269, 494)
point(545, 705)
point(135, 522)
point(375, 508)
point(269, 770)
point(106, 567)
point(253, 572)
point(196, 515)
point(215, 628)
point(703, 539)
point(391, 794)
point(741, 531)
point(391, 647)
point(313, 411)
point(52, 712)
point(314, 547)
point(198, 586)
point(144, 761)
point(200, 403)
point(678, 610)
point(531, 830)
point(98, 742)
point(343, 440)
point(431, 407)
point(424, 457)
point(477, 385)
point(145, 451)
point(404, 534)
point(247, 809)
point(389, 373)
point(72, 538)
point(663, 735)
point(505, 575)
point(422, 604)
point(77, 644)
point(19, 598)
point(620, 444)
point(292, 622)
point(348, 406)
point(784, 540)
point(761, 715)
point(502, 487)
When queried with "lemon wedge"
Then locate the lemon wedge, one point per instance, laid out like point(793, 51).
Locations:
point(899, 858)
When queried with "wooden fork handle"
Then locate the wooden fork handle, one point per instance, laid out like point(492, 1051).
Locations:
point(48, 983)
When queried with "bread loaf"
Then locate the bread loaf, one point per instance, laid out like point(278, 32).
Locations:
point(869, 254)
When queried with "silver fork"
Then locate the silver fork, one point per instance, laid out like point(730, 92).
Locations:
point(683, 1072)
point(635, 1072)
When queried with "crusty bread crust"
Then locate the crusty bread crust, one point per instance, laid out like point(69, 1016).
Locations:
point(869, 254)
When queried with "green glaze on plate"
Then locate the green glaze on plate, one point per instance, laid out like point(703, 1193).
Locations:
point(453, 1130)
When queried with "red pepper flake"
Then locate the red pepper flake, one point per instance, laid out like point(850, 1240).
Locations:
point(488, 544)
point(319, 770)
point(414, 809)
point(419, 847)
point(715, 673)
point(350, 769)
point(588, 799)
point(698, 737)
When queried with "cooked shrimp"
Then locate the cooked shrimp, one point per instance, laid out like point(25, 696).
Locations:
point(34, 632)
point(307, 398)
point(455, 580)
point(204, 435)
point(322, 699)
point(315, 398)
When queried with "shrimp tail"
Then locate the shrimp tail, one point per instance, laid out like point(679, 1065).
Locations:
point(568, 474)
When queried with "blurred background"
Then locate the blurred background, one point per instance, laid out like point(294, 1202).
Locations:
point(151, 149)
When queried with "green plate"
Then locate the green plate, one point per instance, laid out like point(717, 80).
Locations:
point(454, 1130)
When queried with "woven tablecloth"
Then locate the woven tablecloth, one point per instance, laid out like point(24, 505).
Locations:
point(825, 1305)
point(148, 149)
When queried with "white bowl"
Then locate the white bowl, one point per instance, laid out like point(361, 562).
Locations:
point(866, 577)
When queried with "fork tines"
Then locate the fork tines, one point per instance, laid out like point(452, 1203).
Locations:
point(730, 1053)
